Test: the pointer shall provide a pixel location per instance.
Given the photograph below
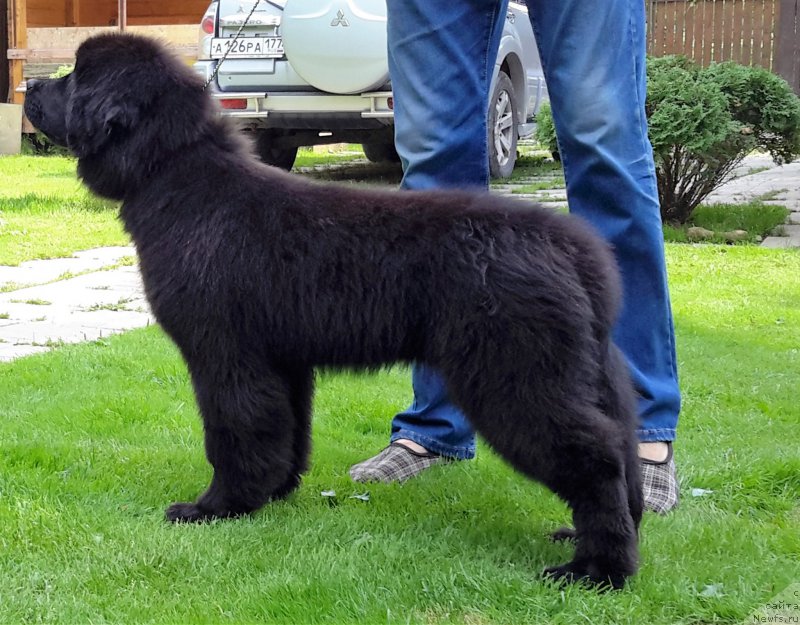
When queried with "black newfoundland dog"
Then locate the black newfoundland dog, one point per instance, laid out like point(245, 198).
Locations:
point(260, 276)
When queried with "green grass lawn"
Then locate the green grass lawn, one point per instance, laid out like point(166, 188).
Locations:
point(96, 439)
point(756, 218)
point(46, 213)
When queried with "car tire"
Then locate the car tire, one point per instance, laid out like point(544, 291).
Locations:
point(272, 154)
point(502, 128)
point(381, 152)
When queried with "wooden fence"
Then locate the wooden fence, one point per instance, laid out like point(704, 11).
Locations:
point(751, 32)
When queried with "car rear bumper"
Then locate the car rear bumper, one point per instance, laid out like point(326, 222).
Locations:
point(261, 104)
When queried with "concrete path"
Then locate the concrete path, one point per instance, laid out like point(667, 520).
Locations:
point(95, 293)
point(759, 177)
point(61, 307)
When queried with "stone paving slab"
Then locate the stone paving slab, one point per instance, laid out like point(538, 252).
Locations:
point(785, 180)
point(84, 308)
point(776, 243)
point(11, 352)
point(74, 327)
point(101, 288)
point(41, 271)
point(780, 184)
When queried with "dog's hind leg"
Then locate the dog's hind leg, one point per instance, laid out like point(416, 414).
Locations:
point(256, 439)
point(301, 391)
point(559, 437)
point(620, 405)
point(606, 551)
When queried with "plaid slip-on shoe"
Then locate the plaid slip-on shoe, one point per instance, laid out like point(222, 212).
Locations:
point(395, 463)
point(660, 484)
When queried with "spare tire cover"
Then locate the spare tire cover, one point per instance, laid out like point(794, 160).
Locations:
point(337, 45)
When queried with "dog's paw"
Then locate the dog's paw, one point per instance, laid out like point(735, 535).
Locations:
point(564, 534)
point(577, 573)
point(187, 513)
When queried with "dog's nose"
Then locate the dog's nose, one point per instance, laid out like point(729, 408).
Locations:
point(31, 84)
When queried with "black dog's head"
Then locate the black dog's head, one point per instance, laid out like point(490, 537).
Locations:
point(128, 108)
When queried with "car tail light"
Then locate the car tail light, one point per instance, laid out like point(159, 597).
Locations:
point(234, 103)
point(206, 32)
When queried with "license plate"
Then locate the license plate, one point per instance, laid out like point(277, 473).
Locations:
point(247, 47)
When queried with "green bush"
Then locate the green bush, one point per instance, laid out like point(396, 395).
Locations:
point(704, 121)
point(546, 130)
point(62, 71)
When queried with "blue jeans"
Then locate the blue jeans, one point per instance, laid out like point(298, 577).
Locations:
point(441, 58)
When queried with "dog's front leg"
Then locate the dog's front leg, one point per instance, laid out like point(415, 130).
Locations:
point(256, 435)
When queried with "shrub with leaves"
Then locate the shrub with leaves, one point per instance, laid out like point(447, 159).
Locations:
point(546, 130)
point(63, 70)
point(704, 121)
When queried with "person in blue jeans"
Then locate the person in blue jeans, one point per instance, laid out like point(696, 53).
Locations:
point(441, 60)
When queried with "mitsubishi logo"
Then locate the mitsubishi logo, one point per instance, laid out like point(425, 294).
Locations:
point(340, 20)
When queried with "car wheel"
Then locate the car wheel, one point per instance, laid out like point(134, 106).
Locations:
point(502, 127)
point(381, 152)
point(272, 153)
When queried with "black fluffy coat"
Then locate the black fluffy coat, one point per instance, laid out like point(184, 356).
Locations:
point(260, 276)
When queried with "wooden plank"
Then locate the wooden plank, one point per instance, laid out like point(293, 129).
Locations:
point(41, 55)
point(48, 55)
point(700, 10)
point(732, 30)
point(762, 35)
point(760, 24)
point(680, 27)
point(655, 26)
point(773, 18)
point(672, 40)
point(747, 11)
point(708, 33)
point(718, 52)
point(720, 27)
point(96, 13)
point(676, 42)
point(748, 30)
point(46, 14)
point(667, 26)
point(787, 56)
point(18, 39)
point(658, 31)
point(689, 29)
point(737, 44)
point(187, 11)
point(5, 76)
point(72, 12)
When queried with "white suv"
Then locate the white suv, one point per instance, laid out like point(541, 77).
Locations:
point(309, 72)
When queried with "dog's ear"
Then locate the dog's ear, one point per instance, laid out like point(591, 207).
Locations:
point(94, 118)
